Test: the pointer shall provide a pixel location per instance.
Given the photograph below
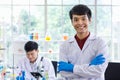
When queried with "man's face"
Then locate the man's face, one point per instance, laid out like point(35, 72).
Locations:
point(32, 55)
point(80, 23)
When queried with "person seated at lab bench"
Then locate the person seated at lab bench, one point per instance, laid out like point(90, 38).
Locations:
point(34, 63)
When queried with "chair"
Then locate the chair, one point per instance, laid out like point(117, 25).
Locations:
point(55, 67)
point(113, 71)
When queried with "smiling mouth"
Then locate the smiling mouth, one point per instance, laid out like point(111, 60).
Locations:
point(81, 27)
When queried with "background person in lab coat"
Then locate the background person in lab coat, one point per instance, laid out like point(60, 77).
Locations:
point(84, 56)
point(33, 62)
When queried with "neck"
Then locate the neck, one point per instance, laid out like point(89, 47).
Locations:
point(82, 36)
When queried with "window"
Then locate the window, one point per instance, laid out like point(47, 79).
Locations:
point(20, 18)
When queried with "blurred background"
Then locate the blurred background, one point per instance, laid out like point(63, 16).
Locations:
point(47, 22)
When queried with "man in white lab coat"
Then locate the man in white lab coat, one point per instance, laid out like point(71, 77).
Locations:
point(33, 62)
point(84, 56)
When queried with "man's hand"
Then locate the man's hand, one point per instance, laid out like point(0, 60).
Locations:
point(64, 66)
point(98, 60)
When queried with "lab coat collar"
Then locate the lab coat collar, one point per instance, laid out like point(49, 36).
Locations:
point(91, 37)
point(27, 63)
point(37, 60)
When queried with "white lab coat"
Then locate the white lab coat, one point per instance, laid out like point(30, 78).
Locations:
point(25, 65)
point(70, 52)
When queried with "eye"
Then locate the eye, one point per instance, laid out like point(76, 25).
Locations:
point(27, 54)
point(75, 19)
point(32, 54)
point(83, 19)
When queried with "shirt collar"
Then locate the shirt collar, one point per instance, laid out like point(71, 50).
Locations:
point(91, 37)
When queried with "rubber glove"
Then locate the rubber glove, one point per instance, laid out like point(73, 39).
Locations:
point(43, 78)
point(64, 66)
point(98, 60)
point(18, 78)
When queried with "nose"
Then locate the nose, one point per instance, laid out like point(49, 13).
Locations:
point(80, 21)
point(29, 56)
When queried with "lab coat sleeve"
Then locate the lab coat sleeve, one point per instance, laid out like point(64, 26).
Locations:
point(84, 70)
point(50, 69)
point(63, 57)
point(62, 54)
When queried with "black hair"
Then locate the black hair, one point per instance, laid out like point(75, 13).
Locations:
point(80, 9)
point(30, 45)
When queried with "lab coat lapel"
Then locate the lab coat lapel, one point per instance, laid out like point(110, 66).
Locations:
point(86, 44)
point(91, 37)
point(38, 60)
point(74, 44)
